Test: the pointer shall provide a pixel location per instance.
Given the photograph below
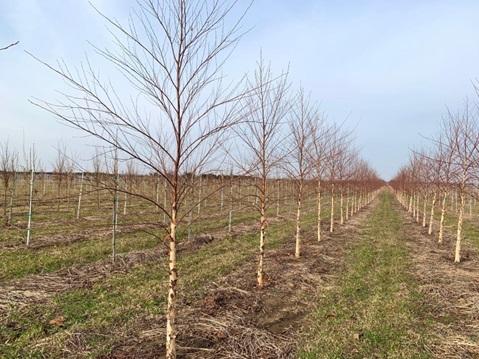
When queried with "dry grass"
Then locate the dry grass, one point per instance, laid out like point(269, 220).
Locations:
point(451, 291)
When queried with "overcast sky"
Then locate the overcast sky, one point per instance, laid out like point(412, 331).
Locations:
point(389, 68)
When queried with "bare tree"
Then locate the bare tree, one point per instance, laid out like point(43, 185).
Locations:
point(172, 53)
point(261, 135)
point(299, 165)
point(463, 135)
point(444, 154)
point(335, 158)
point(321, 136)
point(31, 165)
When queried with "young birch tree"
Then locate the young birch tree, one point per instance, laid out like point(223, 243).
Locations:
point(299, 165)
point(173, 116)
point(464, 137)
point(321, 135)
point(261, 135)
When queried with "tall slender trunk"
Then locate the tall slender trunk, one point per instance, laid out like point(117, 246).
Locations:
point(417, 208)
point(262, 236)
point(441, 222)
point(424, 210)
point(30, 202)
point(431, 217)
point(319, 211)
point(297, 251)
point(457, 256)
point(115, 211)
point(347, 205)
point(230, 214)
point(331, 221)
point(80, 193)
point(172, 284)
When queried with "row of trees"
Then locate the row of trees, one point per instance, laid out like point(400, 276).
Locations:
point(447, 170)
point(171, 113)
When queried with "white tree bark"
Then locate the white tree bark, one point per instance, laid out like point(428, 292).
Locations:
point(441, 222)
point(30, 202)
point(431, 217)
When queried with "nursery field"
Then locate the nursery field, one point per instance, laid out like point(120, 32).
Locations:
point(228, 179)
point(377, 286)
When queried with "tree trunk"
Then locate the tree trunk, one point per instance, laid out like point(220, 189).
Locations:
point(30, 202)
point(331, 222)
point(441, 222)
point(457, 256)
point(115, 211)
point(262, 234)
point(277, 201)
point(417, 208)
point(431, 217)
point(297, 251)
point(172, 283)
point(424, 210)
point(347, 205)
point(319, 212)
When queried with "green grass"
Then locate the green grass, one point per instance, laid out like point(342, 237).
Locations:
point(374, 310)
point(20, 262)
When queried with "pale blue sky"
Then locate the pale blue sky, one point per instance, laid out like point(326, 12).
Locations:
point(389, 67)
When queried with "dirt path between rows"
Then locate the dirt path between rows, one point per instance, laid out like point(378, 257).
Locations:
point(451, 291)
point(234, 319)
